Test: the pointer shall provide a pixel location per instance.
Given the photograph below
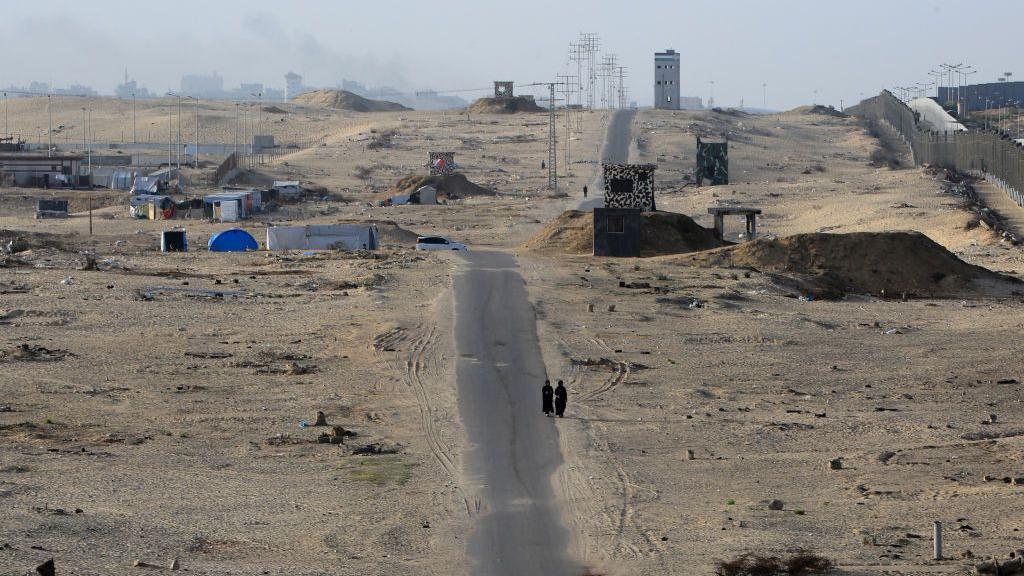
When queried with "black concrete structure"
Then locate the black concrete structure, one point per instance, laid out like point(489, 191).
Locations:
point(617, 232)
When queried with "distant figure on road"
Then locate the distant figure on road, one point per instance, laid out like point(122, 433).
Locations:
point(547, 395)
point(561, 397)
point(584, 190)
point(542, 165)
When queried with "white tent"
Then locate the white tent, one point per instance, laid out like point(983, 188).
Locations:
point(332, 237)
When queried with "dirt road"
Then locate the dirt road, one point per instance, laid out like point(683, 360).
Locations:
point(514, 448)
point(615, 149)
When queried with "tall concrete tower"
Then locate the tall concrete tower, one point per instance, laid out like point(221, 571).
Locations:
point(293, 85)
point(666, 80)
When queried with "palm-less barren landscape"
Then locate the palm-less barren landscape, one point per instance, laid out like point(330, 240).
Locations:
point(159, 406)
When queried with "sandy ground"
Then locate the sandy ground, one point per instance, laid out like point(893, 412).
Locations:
point(173, 424)
point(766, 390)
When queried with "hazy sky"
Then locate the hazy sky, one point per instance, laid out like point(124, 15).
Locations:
point(841, 49)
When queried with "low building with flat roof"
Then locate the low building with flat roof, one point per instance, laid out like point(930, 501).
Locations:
point(37, 170)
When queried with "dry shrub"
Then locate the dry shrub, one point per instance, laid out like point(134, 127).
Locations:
point(800, 564)
point(808, 563)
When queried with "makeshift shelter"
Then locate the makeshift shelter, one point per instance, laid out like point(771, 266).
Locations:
point(146, 185)
point(230, 206)
point(287, 189)
point(332, 237)
point(424, 195)
point(233, 240)
point(152, 207)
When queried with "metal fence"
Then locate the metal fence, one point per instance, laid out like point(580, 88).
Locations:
point(989, 154)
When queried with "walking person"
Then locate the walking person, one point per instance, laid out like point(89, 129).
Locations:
point(561, 397)
point(547, 395)
point(584, 190)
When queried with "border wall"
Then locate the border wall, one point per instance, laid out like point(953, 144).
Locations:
point(988, 154)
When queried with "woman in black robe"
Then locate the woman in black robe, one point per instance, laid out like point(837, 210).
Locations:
point(561, 397)
point(547, 394)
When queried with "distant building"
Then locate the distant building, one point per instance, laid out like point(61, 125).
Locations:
point(76, 90)
point(691, 103)
point(982, 96)
point(666, 80)
point(246, 90)
point(128, 88)
point(354, 87)
point(293, 85)
point(203, 86)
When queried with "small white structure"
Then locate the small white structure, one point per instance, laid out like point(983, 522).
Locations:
point(934, 117)
point(427, 194)
point(330, 237)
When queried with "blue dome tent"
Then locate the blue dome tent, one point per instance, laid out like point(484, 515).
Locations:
point(233, 240)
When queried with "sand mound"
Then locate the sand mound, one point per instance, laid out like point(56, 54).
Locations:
point(274, 110)
point(505, 105)
point(344, 100)
point(661, 233)
point(831, 265)
point(452, 187)
point(571, 233)
point(820, 110)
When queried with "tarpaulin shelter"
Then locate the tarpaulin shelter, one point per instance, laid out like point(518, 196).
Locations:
point(233, 240)
point(329, 237)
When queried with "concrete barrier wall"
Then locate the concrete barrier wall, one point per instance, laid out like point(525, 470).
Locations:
point(989, 154)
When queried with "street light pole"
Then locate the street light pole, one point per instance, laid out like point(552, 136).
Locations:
point(49, 128)
point(134, 138)
point(7, 129)
point(170, 120)
point(197, 131)
point(89, 141)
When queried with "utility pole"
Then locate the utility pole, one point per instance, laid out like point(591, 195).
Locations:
point(764, 95)
point(170, 142)
point(576, 54)
point(590, 43)
point(259, 119)
point(568, 89)
point(236, 131)
point(134, 137)
point(7, 129)
point(84, 135)
point(552, 153)
point(622, 90)
point(89, 140)
point(49, 128)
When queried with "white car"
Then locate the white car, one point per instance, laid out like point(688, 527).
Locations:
point(437, 243)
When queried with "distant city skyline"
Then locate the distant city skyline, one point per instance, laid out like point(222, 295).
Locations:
point(783, 53)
